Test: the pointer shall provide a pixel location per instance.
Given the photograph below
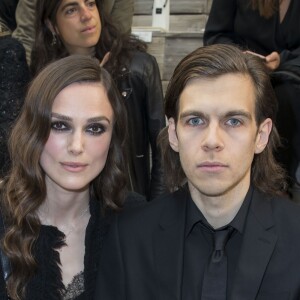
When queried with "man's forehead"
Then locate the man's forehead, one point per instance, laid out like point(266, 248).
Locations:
point(230, 92)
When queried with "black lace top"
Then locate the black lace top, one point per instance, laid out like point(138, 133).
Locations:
point(47, 283)
point(14, 77)
point(75, 288)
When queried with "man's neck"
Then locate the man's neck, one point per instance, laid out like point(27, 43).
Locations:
point(219, 210)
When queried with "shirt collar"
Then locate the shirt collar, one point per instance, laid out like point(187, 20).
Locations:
point(194, 215)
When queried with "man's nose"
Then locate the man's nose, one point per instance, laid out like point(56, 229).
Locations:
point(213, 139)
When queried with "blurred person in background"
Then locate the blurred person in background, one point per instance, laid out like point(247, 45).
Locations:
point(121, 12)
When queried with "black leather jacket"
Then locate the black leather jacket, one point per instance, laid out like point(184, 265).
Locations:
point(140, 85)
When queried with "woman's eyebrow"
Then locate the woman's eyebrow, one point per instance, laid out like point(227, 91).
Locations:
point(61, 117)
point(100, 118)
point(89, 120)
point(68, 4)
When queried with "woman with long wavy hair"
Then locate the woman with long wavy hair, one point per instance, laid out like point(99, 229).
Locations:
point(67, 174)
point(67, 27)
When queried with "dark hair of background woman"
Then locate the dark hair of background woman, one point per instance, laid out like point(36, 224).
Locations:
point(110, 40)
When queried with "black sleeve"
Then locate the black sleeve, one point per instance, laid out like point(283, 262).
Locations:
point(220, 25)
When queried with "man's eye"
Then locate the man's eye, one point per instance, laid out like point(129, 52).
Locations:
point(234, 122)
point(95, 129)
point(195, 121)
point(59, 126)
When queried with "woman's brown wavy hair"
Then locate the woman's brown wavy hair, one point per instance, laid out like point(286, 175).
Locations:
point(266, 8)
point(208, 63)
point(24, 190)
point(119, 45)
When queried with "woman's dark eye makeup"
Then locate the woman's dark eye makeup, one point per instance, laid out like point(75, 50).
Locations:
point(59, 126)
point(93, 128)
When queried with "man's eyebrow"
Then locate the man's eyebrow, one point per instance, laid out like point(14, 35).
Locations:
point(90, 120)
point(187, 113)
point(241, 113)
point(228, 114)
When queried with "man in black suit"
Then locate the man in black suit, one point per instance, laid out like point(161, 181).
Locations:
point(218, 155)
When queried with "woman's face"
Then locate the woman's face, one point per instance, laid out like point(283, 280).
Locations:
point(78, 25)
point(78, 144)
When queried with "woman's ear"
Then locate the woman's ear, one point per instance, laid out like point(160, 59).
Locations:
point(263, 134)
point(172, 135)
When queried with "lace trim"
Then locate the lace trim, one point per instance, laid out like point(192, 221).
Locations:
point(75, 287)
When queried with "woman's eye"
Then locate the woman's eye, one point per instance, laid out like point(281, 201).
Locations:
point(70, 11)
point(95, 129)
point(233, 122)
point(59, 126)
point(91, 4)
point(195, 121)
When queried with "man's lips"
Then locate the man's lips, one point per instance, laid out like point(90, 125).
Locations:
point(212, 166)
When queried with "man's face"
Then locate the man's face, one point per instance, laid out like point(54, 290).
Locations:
point(216, 134)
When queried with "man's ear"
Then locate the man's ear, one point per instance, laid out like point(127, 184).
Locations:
point(50, 26)
point(263, 134)
point(173, 135)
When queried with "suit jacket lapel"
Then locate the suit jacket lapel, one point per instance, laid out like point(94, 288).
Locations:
point(257, 247)
point(168, 247)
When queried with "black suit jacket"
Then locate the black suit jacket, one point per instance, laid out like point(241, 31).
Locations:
point(142, 258)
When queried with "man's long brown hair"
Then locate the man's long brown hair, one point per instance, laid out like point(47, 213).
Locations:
point(208, 63)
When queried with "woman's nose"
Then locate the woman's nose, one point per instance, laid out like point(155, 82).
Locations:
point(85, 14)
point(76, 143)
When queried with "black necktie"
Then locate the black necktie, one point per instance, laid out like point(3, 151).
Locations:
point(215, 275)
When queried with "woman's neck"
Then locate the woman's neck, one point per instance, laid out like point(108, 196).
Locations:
point(63, 208)
point(84, 51)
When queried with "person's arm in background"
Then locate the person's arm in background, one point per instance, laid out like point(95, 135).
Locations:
point(156, 122)
point(121, 12)
point(220, 24)
point(220, 29)
point(233, 21)
point(24, 32)
point(7, 16)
